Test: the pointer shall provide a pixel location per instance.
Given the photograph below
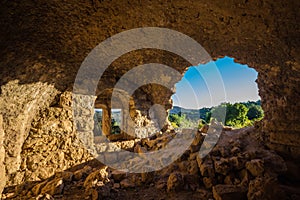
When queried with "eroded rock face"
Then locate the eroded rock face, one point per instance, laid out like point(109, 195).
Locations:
point(235, 176)
point(2, 157)
point(52, 144)
point(43, 44)
point(20, 104)
point(262, 34)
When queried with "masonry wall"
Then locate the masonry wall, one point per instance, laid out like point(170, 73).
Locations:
point(42, 45)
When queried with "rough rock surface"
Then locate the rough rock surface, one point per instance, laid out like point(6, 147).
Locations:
point(52, 144)
point(236, 176)
point(20, 104)
point(43, 43)
point(2, 157)
point(263, 34)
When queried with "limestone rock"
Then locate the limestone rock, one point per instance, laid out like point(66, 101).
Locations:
point(206, 167)
point(222, 166)
point(127, 183)
point(266, 187)
point(175, 182)
point(229, 192)
point(264, 34)
point(192, 182)
point(118, 175)
point(53, 187)
point(36, 190)
point(255, 167)
point(44, 197)
point(94, 177)
point(82, 172)
point(161, 184)
point(2, 157)
point(66, 176)
point(21, 103)
point(209, 182)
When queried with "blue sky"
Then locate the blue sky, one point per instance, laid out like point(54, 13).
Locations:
point(216, 82)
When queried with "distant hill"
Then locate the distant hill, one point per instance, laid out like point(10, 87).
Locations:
point(202, 112)
point(190, 113)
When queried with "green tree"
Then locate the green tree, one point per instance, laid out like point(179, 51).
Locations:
point(218, 113)
point(236, 115)
point(255, 112)
point(181, 121)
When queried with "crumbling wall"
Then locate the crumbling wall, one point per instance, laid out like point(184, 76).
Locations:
point(52, 144)
point(20, 104)
point(2, 157)
point(43, 43)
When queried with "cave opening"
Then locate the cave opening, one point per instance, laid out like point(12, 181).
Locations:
point(99, 120)
point(196, 103)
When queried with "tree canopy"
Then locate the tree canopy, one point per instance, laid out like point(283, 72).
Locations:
point(235, 115)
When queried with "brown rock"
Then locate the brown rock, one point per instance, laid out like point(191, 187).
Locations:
point(244, 177)
point(192, 181)
point(204, 128)
point(175, 182)
point(94, 194)
point(206, 167)
point(203, 194)
point(2, 157)
point(208, 182)
point(262, 34)
point(161, 183)
point(255, 167)
point(265, 188)
point(229, 179)
point(193, 167)
point(222, 166)
point(118, 175)
point(147, 177)
point(139, 149)
point(37, 188)
point(82, 172)
point(229, 192)
point(44, 197)
point(237, 162)
point(53, 187)
point(198, 139)
point(126, 183)
point(66, 176)
point(94, 177)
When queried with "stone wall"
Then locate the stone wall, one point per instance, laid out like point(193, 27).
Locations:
point(2, 157)
point(263, 34)
point(238, 167)
point(20, 104)
point(83, 108)
point(52, 144)
point(280, 126)
point(37, 133)
point(43, 43)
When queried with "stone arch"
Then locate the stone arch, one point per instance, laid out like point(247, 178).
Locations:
point(46, 41)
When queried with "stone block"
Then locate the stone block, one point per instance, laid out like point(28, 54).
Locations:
point(175, 182)
point(53, 187)
point(255, 167)
point(229, 192)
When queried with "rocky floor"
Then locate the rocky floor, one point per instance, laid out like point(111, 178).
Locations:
point(238, 167)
